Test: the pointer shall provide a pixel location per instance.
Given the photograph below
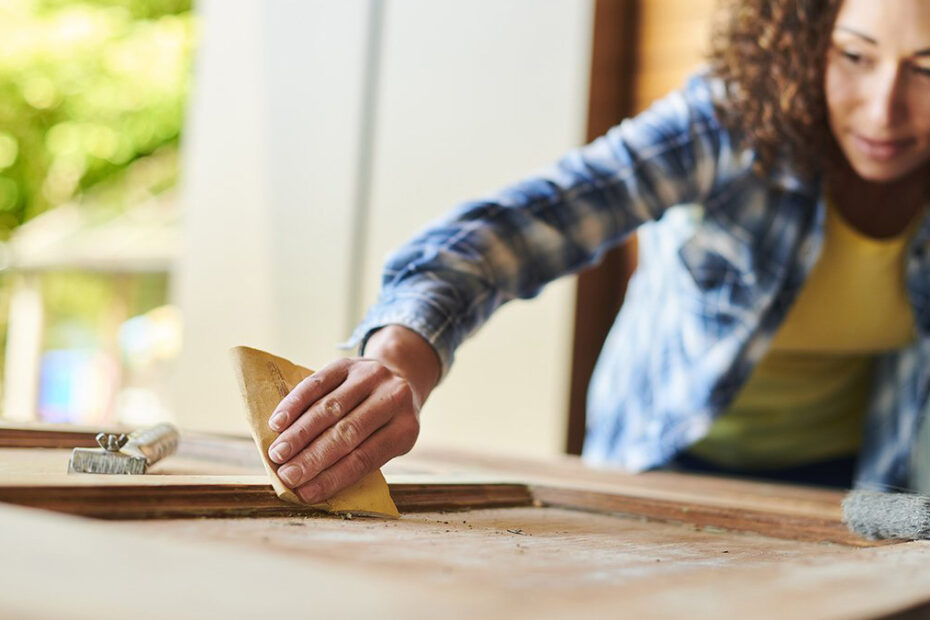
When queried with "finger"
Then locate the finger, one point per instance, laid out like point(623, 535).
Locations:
point(307, 392)
point(321, 415)
point(337, 441)
point(374, 452)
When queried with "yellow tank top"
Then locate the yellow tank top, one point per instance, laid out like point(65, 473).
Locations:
point(805, 400)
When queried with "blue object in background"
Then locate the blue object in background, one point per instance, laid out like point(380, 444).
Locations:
point(75, 386)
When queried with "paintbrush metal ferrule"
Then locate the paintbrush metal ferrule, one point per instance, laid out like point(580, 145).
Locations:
point(125, 454)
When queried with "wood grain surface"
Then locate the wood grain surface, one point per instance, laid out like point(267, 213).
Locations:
point(186, 487)
point(513, 563)
point(572, 542)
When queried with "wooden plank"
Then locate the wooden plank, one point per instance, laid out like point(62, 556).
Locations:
point(685, 488)
point(641, 51)
point(47, 436)
point(674, 37)
point(61, 567)
point(562, 565)
point(559, 560)
point(184, 487)
point(600, 290)
point(180, 487)
point(521, 549)
point(801, 528)
point(177, 497)
point(678, 556)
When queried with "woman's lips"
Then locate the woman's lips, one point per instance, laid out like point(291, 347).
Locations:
point(881, 150)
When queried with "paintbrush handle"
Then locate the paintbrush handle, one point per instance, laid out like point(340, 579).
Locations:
point(154, 443)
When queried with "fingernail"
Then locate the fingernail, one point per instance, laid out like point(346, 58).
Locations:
point(277, 420)
point(310, 494)
point(279, 452)
point(289, 474)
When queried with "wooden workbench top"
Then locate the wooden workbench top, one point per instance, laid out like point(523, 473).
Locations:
point(573, 542)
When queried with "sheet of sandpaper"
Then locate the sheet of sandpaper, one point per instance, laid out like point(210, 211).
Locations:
point(265, 379)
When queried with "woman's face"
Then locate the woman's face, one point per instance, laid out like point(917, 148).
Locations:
point(878, 86)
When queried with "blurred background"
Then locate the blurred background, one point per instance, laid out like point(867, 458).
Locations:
point(92, 101)
point(178, 179)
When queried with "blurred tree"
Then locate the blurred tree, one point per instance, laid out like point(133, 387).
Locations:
point(86, 88)
point(92, 96)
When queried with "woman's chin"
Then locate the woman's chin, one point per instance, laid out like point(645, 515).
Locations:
point(886, 171)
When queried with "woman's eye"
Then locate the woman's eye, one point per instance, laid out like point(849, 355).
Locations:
point(921, 70)
point(853, 57)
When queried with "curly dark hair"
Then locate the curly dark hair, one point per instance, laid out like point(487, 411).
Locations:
point(771, 54)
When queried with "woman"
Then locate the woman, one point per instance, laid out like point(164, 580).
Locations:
point(783, 290)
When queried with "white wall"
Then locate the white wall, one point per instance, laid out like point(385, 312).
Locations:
point(471, 96)
point(270, 152)
point(475, 95)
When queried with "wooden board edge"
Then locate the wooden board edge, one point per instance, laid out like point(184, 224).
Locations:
point(775, 525)
point(222, 501)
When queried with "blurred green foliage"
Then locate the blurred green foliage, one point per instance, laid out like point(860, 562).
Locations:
point(92, 98)
point(87, 88)
point(88, 307)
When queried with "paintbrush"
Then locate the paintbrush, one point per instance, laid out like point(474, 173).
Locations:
point(125, 454)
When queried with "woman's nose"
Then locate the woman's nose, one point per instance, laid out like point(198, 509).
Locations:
point(886, 101)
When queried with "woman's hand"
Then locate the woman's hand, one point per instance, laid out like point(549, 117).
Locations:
point(354, 415)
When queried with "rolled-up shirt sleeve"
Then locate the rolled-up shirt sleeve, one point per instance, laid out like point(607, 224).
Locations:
point(448, 280)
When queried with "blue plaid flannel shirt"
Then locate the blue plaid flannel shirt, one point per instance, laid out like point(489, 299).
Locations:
point(723, 252)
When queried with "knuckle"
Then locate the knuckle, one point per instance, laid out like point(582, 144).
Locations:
point(337, 363)
point(382, 372)
point(333, 407)
point(312, 384)
point(349, 431)
point(302, 393)
point(287, 403)
point(302, 433)
point(310, 463)
point(400, 395)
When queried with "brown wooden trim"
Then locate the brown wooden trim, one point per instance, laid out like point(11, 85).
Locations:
point(781, 511)
point(680, 487)
point(164, 499)
point(775, 525)
point(182, 501)
point(45, 437)
point(600, 290)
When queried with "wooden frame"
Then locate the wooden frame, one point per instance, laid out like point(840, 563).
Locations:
point(434, 485)
point(206, 496)
point(471, 525)
point(600, 290)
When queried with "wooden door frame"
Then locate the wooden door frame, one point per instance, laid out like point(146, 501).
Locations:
point(600, 290)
